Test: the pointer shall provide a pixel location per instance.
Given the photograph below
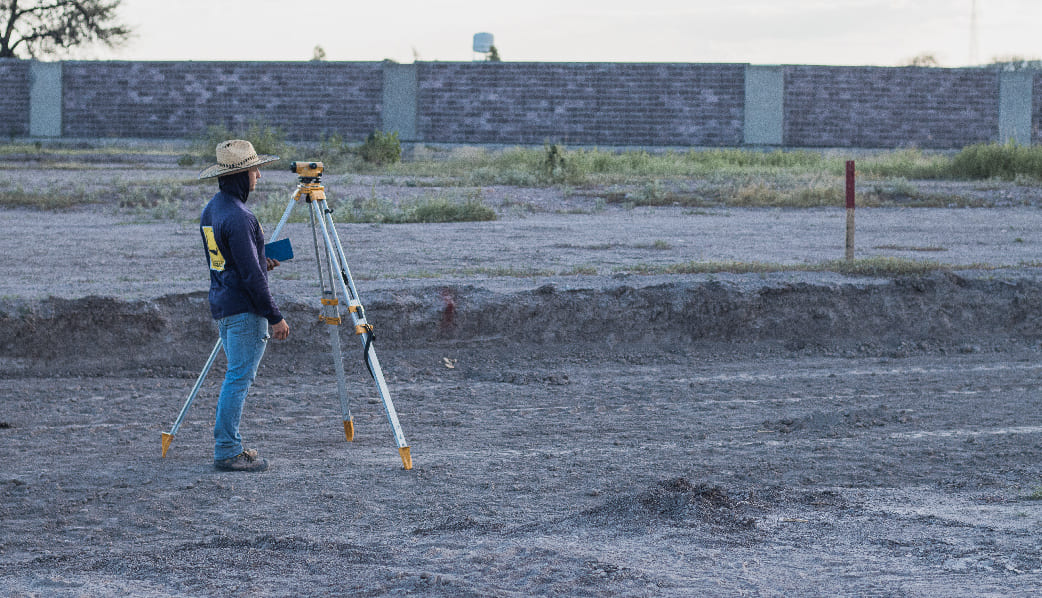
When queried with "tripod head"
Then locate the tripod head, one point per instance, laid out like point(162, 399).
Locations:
point(307, 171)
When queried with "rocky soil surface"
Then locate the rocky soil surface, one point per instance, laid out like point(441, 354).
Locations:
point(577, 428)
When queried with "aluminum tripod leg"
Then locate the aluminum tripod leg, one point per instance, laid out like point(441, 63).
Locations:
point(169, 436)
point(341, 383)
point(361, 326)
point(331, 316)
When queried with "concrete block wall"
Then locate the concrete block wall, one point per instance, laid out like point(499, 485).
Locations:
point(14, 97)
point(582, 103)
point(890, 107)
point(307, 100)
point(617, 104)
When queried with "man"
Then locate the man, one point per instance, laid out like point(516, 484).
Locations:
point(240, 300)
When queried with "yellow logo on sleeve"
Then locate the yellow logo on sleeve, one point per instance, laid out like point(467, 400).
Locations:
point(216, 259)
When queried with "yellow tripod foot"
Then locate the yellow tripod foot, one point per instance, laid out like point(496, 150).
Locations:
point(167, 438)
point(349, 430)
point(406, 457)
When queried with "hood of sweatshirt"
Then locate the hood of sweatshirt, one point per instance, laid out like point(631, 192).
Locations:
point(237, 184)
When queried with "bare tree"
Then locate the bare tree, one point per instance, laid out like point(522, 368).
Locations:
point(32, 28)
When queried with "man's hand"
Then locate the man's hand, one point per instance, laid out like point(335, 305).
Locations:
point(271, 263)
point(280, 331)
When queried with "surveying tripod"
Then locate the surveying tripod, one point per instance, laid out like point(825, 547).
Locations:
point(310, 189)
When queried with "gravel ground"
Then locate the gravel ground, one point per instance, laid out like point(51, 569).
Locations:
point(573, 433)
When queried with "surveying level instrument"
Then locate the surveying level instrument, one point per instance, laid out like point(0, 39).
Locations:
point(334, 272)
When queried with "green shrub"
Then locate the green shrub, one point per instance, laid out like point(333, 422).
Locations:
point(381, 148)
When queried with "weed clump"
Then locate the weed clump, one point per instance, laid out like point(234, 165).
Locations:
point(554, 163)
point(43, 200)
point(1008, 161)
point(993, 160)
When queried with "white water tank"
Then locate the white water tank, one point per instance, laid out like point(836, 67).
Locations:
point(483, 42)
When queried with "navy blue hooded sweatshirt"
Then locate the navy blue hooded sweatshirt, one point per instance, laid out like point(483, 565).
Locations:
point(234, 244)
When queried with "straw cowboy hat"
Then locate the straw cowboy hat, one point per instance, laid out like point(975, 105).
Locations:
point(235, 155)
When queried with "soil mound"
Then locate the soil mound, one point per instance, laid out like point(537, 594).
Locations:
point(677, 501)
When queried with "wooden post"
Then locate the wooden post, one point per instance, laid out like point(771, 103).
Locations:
point(850, 209)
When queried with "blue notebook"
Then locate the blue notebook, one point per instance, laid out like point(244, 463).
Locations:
point(279, 250)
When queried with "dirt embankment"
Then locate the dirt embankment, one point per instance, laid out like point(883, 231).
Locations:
point(942, 311)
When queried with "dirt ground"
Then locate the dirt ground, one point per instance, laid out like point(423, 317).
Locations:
point(600, 434)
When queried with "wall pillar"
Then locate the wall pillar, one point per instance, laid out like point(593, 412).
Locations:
point(399, 101)
point(1015, 107)
point(45, 99)
point(764, 105)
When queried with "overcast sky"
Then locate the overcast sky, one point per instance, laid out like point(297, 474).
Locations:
point(836, 32)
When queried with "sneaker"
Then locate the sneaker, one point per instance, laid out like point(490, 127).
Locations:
point(248, 460)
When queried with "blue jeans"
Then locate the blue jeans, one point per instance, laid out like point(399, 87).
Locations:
point(243, 336)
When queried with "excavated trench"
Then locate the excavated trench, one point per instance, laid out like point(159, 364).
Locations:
point(941, 311)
